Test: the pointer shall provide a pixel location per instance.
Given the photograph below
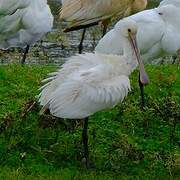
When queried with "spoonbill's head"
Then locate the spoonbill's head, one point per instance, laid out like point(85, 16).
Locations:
point(128, 28)
point(168, 13)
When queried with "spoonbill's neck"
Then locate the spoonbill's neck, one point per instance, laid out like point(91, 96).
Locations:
point(128, 52)
point(40, 3)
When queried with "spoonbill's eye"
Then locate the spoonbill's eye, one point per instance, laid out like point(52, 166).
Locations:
point(160, 13)
point(129, 30)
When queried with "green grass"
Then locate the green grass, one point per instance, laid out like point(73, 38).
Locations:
point(125, 142)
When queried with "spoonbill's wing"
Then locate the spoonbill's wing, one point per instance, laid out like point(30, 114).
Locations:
point(85, 12)
point(171, 40)
point(8, 7)
point(170, 13)
point(11, 13)
point(10, 24)
point(38, 17)
point(74, 64)
point(27, 24)
point(37, 21)
point(85, 91)
point(77, 99)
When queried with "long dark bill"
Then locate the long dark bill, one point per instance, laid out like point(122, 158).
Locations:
point(143, 75)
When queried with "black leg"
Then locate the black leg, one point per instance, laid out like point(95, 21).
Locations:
point(85, 142)
point(25, 53)
point(104, 29)
point(81, 42)
point(174, 59)
point(105, 25)
point(142, 92)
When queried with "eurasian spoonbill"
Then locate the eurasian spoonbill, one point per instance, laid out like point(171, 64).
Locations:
point(158, 33)
point(81, 14)
point(23, 22)
point(91, 82)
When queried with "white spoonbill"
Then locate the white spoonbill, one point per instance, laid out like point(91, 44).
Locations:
point(91, 82)
point(81, 14)
point(23, 22)
point(158, 33)
point(173, 2)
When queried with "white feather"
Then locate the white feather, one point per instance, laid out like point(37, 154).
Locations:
point(91, 82)
point(94, 82)
point(23, 22)
point(158, 32)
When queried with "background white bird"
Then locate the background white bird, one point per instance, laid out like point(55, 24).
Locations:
point(158, 32)
point(173, 2)
point(91, 82)
point(23, 22)
point(85, 13)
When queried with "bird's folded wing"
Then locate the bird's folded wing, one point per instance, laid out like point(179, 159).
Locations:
point(18, 27)
point(11, 13)
point(70, 7)
point(9, 25)
point(57, 78)
point(83, 12)
point(9, 7)
point(77, 62)
point(86, 94)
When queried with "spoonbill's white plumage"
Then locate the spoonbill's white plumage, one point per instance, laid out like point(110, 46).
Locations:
point(158, 33)
point(91, 82)
point(10, 13)
point(85, 13)
point(86, 84)
point(173, 2)
point(23, 22)
point(8, 7)
point(171, 38)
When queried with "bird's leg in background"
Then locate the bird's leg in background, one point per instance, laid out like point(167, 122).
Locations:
point(104, 30)
point(85, 142)
point(174, 57)
point(142, 92)
point(105, 25)
point(26, 50)
point(81, 42)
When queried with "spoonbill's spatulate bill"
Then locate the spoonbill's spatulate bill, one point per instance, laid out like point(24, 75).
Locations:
point(92, 82)
point(23, 22)
point(158, 32)
point(81, 14)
